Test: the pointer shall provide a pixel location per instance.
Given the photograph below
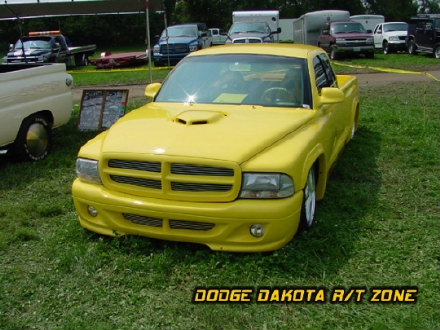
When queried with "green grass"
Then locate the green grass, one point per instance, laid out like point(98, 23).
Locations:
point(378, 226)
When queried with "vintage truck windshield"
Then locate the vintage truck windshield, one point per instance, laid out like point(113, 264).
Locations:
point(239, 79)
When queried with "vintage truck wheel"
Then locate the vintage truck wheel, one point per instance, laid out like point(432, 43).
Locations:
point(334, 53)
point(309, 202)
point(34, 139)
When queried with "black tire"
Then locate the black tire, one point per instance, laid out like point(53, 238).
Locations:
point(437, 51)
point(34, 139)
point(386, 48)
point(412, 47)
point(308, 209)
point(334, 52)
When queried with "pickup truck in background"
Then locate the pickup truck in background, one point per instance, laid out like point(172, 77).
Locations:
point(48, 47)
point(235, 157)
point(35, 98)
point(424, 34)
point(250, 27)
point(390, 36)
point(177, 41)
point(218, 36)
point(346, 38)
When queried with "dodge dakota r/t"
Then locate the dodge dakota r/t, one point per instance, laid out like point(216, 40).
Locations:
point(233, 152)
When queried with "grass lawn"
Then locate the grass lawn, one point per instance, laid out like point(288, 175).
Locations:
point(377, 226)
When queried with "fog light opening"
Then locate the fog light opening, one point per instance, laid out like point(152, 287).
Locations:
point(257, 230)
point(92, 211)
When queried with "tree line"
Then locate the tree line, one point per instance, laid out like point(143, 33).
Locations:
point(129, 29)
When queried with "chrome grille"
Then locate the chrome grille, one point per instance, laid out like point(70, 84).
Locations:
point(189, 169)
point(143, 220)
point(155, 184)
point(173, 180)
point(181, 186)
point(135, 165)
point(191, 225)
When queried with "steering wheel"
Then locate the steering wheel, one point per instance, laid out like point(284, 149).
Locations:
point(274, 95)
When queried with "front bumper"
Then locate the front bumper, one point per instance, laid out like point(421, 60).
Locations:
point(221, 226)
point(163, 58)
point(355, 49)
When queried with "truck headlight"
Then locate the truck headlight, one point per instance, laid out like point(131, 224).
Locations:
point(267, 185)
point(370, 41)
point(87, 170)
point(156, 49)
point(193, 47)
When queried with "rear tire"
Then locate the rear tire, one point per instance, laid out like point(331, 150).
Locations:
point(437, 51)
point(34, 139)
point(386, 48)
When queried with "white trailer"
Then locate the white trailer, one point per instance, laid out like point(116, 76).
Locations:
point(286, 25)
point(271, 17)
point(368, 21)
point(307, 28)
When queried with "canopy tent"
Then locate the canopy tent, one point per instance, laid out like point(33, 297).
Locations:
point(18, 9)
point(12, 9)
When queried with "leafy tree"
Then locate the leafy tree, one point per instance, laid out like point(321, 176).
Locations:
point(393, 10)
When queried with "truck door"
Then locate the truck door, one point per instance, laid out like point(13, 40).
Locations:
point(336, 118)
point(378, 36)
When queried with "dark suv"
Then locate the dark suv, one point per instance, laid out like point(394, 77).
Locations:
point(424, 34)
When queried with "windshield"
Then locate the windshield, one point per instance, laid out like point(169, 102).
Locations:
point(347, 28)
point(239, 79)
point(395, 27)
point(251, 27)
point(33, 44)
point(180, 31)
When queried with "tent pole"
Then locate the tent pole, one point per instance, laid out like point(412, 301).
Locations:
point(147, 14)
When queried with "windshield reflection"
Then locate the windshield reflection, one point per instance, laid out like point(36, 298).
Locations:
point(239, 79)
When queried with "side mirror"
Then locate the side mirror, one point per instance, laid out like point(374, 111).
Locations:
point(369, 31)
point(152, 89)
point(331, 95)
point(11, 47)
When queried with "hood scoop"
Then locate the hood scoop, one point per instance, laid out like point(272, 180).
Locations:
point(198, 117)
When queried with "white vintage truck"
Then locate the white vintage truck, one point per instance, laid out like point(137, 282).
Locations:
point(34, 99)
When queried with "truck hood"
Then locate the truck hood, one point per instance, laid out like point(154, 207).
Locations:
point(222, 132)
point(178, 40)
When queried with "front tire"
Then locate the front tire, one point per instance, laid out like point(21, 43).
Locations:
point(386, 48)
point(308, 208)
point(333, 52)
point(412, 48)
point(34, 139)
point(437, 51)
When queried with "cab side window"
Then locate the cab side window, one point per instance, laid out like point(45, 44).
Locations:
point(324, 75)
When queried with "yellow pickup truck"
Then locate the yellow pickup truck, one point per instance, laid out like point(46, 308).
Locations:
point(233, 152)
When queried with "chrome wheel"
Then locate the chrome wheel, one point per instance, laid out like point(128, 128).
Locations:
point(37, 140)
point(34, 139)
point(309, 201)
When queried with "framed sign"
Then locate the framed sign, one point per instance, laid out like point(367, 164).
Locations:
point(101, 108)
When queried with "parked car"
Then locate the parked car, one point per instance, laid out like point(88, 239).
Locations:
point(35, 99)
point(233, 152)
point(48, 47)
point(249, 27)
point(424, 34)
point(218, 36)
point(346, 38)
point(390, 36)
point(177, 41)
